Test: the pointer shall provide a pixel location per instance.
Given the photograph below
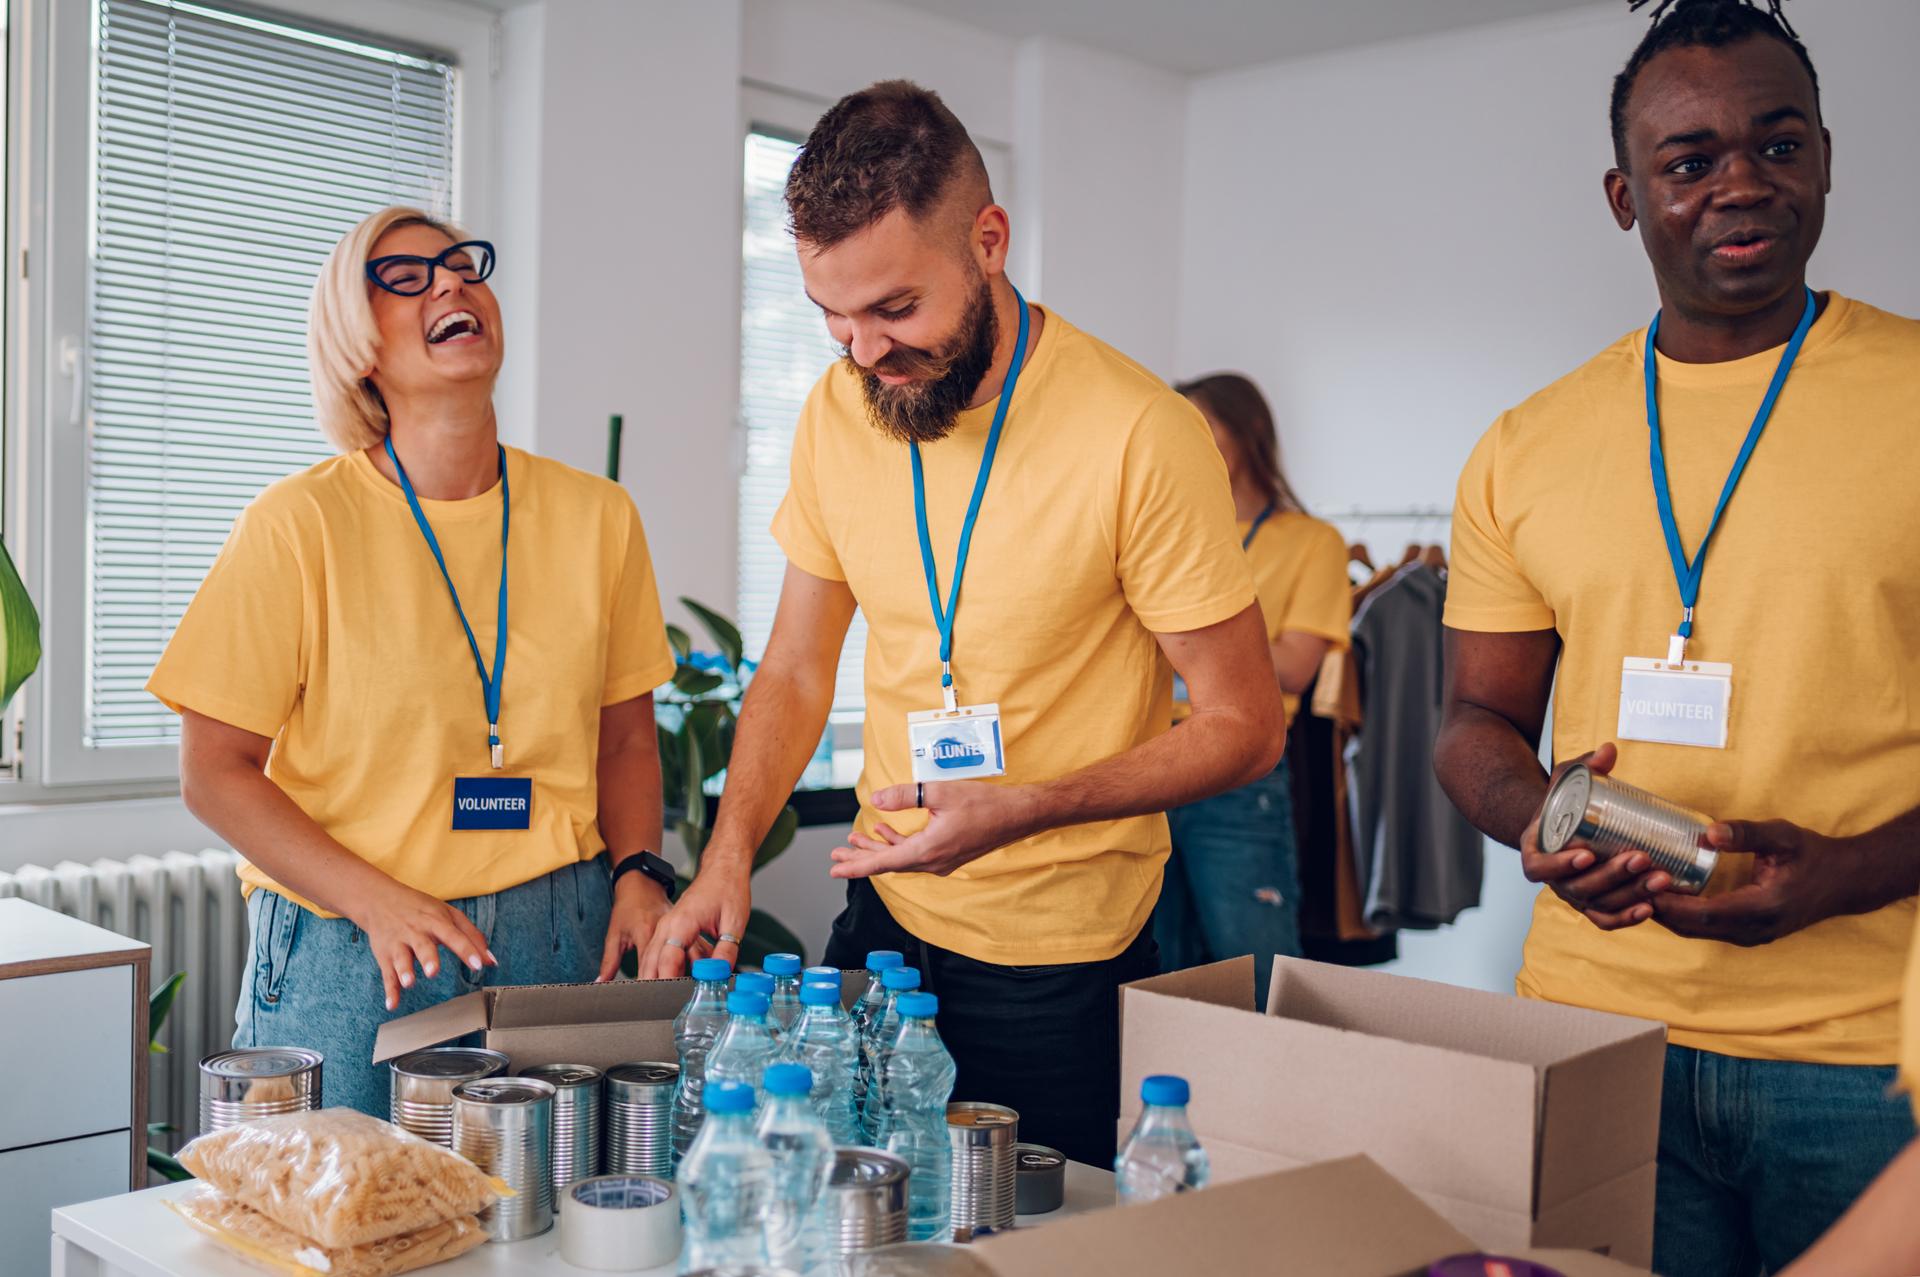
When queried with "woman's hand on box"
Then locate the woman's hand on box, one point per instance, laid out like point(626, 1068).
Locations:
point(406, 927)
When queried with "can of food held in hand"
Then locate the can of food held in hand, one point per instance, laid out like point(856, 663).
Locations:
point(1611, 816)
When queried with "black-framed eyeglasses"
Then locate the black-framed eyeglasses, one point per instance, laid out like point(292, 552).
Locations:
point(410, 275)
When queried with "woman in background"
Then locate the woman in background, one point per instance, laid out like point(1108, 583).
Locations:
point(1233, 881)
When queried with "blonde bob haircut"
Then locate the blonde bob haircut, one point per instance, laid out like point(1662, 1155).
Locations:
point(342, 338)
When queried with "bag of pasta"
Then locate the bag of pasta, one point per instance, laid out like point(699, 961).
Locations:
point(253, 1236)
point(339, 1177)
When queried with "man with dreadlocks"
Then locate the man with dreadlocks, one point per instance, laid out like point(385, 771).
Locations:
point(1774, 684)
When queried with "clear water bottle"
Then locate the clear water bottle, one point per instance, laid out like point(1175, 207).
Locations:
point(754, 982)
point(785, 1009)
point(695, 1030)
point(823, 1041)
point(1162, 1156)
point(802, 1152)
point(726, 1184)
point(881, 1032)
point(918, 1081)
point(746, 1048)
point(879, 962)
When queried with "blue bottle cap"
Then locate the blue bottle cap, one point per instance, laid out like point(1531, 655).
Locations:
point(788, 1079)
point(710, 969)
point(781, 964)
point(813, 994)
point(754, 982)
point(740, 1002)
point(822, 975)
point(881, 960)
point(919, 1006)
point(901, 978)
point(728, 1097)
point(1164, 1089)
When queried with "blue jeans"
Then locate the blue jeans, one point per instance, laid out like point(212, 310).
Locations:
point(312, 981)
point(1759, 1157)
point(1233, 881)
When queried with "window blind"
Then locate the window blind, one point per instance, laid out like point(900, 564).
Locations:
point(231, 152)
point(784, 348)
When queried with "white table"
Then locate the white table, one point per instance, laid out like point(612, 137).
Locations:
point(135, 1235)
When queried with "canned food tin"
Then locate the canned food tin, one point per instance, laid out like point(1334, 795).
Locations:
point(504, 1125)
point(423, 1083)
point(254, 1082)
point(981, 1138)
point(639, 1121)
point(1611, 817)
point(576, 1123)
point(1041, 1173)
point(865, 1204)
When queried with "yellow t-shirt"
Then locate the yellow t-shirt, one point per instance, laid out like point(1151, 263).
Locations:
point(1809, 592)
point(1108, 519)
point(325, 625)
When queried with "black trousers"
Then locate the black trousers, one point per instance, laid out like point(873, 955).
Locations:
point(1044, 1041)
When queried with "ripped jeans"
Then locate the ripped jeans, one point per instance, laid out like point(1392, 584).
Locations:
point(1233, 881)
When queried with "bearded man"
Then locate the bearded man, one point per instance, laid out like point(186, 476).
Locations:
point(1040, 534)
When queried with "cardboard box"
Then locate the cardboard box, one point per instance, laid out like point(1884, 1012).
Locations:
point(1524, 1124)
point(1345, 1218)
point(534, 1024)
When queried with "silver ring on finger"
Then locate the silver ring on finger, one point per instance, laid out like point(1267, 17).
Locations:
point(727, 937)
point(675, 942)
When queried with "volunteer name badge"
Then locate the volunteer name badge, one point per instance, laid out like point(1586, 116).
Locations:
point(492, 802)
point(1675, 702)
point(958, 744)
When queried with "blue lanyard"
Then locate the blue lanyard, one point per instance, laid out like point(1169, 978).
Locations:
point(1687, 575)
point(1258, 520)
point(490, 686)
point(943, 618)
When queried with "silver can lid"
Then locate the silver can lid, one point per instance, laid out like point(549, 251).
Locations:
point(564, 1075)
point(1565, 808)
point(644, 1073)
point(504, 1091)
point(974, 1113)
point(259, 1062)
point(451, 1062)
point(863, 1167)
point(1037, 1159)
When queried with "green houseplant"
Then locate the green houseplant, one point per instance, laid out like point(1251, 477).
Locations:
point(19, 631)
point(159, 1161)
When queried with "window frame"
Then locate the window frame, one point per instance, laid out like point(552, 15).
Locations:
point(51, 134)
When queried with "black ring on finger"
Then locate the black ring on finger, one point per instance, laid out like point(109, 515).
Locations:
point(919, 793)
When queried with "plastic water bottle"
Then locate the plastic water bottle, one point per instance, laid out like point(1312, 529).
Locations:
point(879, 1040)
point(695, 1030)
point(802, 1152)
point(746, 1048)
point(823, 1041)
point(918, 1081)
point(1162, 1156)
point(785, 1009)
point(726, 1184)
point(879, 962)
point(821, 975)
point(754, 982)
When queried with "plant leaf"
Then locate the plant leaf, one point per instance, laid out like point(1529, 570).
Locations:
point(673, 763)
point(693, 788)
point(778, 839)
point(703, 723)
point(19, 631)
point(167, 1167)
point(689, 681)
point(726, 635)
point(694, 838)
point(680, 641)
point(160, 1004)
point(766, 934)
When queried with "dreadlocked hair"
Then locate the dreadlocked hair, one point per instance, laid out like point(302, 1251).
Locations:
point(1693, 24)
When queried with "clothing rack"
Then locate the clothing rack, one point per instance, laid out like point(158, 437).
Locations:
point(1407, 514)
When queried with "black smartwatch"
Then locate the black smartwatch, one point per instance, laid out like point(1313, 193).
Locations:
point(648, 865)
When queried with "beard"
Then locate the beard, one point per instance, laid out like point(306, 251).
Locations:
point(925, 409)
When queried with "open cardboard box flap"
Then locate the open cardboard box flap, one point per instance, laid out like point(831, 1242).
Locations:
point(1490, 1106)
point(597, 1024)
point(1344, 1218)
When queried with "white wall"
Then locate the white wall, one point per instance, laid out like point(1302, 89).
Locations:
point(1398, 242)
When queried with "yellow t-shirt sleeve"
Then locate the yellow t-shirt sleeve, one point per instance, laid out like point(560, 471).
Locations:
point(639, 657)
point(1179, 557)
point(239, 654)
point(1487, 591)
point(798, 524)
point(1321, 602)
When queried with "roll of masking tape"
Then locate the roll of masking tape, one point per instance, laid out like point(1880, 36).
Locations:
point(615, 1223)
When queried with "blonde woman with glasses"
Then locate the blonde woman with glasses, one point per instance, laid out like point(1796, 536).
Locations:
point(416, 686)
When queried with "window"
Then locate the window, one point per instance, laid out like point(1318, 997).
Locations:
point(784, 348)
point(204, 161)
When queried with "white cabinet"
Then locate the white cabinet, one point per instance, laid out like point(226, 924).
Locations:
point(73, 1073)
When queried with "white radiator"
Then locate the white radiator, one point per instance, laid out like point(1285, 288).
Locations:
point(186, 905)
